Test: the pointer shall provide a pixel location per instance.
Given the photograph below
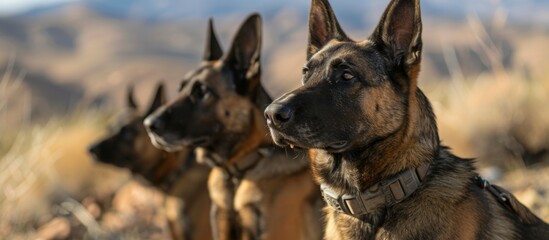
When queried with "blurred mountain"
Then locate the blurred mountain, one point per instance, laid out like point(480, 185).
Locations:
point(84, 53)
point(526, 11)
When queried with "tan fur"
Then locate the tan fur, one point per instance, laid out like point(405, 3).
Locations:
point(187, 205)
point(284, 203)
point(194, 198)
point(221, 194)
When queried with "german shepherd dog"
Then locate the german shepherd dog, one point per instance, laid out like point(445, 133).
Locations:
point(175, 173)
point(374, 143)
point(258, 190)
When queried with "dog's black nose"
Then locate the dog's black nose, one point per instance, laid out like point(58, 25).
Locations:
point(94, 149)
point(154, 124)
point(279, 115)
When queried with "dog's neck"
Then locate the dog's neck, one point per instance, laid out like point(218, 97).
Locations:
point(256, 138)
point(233, 148)
point(168, 168)
point(415, 143)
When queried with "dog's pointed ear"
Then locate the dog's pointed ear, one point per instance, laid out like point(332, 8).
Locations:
point(158, 100)
point(213, 49)
point(399, 32)
point(130, 100)
point(323, 26)
point(244, 56)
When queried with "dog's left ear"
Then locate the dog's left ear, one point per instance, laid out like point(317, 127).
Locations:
point(323, 27)
point(244, 55)
point(130, 100)
point(399, 32)
point(213, 49)
point(158, 100)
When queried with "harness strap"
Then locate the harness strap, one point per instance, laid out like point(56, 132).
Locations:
point(384, 193)
point(238, 169)
point(501, 196)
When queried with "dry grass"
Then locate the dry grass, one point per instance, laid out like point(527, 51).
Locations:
point(500, 116)
point(50, 186)
point(46, 175)
point(42, 164)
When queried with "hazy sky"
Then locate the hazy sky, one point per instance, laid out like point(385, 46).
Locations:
point(15, 6)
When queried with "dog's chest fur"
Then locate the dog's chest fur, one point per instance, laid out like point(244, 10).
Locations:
point(279, 187)
point(261, 204)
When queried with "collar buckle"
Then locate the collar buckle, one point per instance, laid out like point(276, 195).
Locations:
point(354, 205)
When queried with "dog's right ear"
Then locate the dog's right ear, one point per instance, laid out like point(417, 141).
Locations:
point(323, 27)
point(213, 48)
point(399, 32)
point(158, 100)
point(244, 55)
point(130, 101)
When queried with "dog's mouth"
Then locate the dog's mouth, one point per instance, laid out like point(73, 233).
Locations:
point(95, 157)
point(99, 156)
point(164, 143)
point(285, 140)
point(337, 147)
point(171, 143)
point(119, 162)
point(282, 140)
point(196, 142)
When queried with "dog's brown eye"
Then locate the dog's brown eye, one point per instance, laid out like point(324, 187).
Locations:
point(127, 133)
point(304, 71)
point(183, 84)
point(206, 93)
point(347, 76)
point(200, 92)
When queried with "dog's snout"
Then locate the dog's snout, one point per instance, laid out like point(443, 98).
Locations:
point(278, 115)
point(97, 151)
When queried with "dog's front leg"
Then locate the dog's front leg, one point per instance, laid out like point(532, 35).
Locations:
point(224, 223)
point(224, 220)
point(178, 224)
point(250, 217)
point(249, 204)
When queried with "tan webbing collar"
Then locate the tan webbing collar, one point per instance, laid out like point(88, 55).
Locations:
point(385, 193)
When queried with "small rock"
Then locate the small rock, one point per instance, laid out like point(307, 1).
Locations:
point(528, 196)
point(92, 207)
point(57, 228)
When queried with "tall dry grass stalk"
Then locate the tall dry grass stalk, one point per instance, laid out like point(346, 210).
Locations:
point(10, 82)
point(45, 163)
point(41, 163)
point(501, 116)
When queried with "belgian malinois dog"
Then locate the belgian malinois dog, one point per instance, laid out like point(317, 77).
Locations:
point(176, 173)
point(375, 146)
point(258, 190)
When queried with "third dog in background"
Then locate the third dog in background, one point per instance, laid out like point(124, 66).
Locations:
point(176, 173)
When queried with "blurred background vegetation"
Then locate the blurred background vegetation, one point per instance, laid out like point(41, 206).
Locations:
point(65, 66)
